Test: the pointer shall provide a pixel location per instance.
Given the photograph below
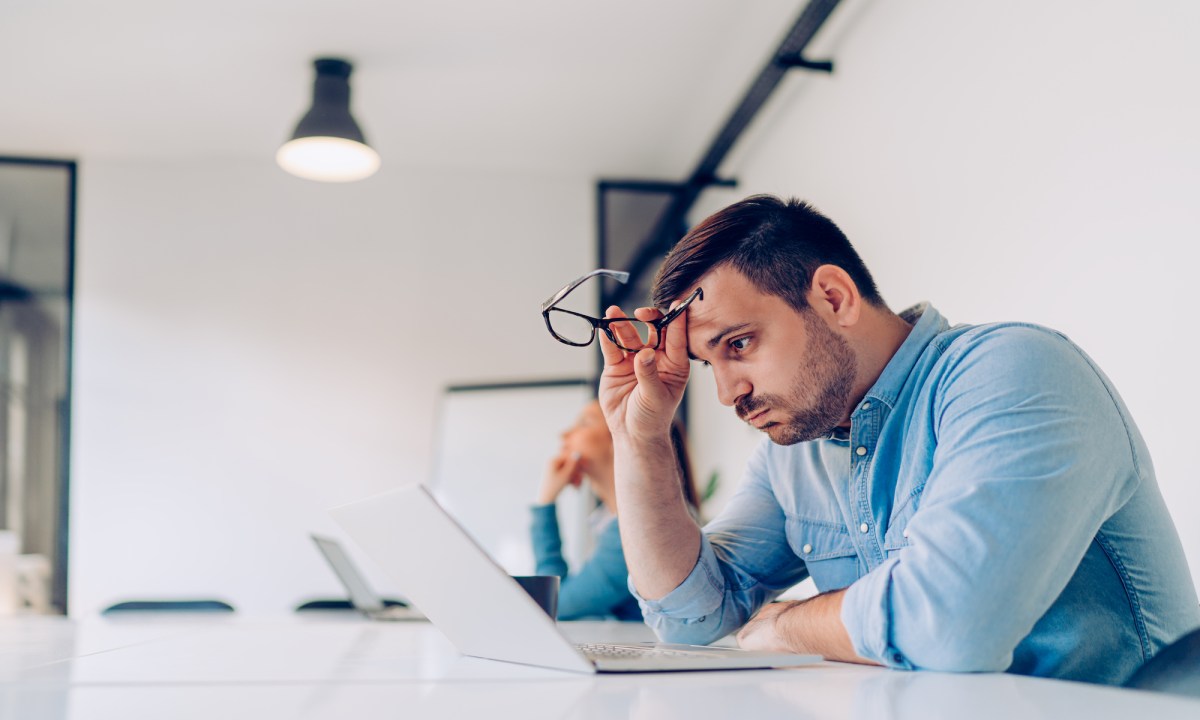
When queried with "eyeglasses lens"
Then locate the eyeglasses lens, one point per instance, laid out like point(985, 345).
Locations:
point(571, 327)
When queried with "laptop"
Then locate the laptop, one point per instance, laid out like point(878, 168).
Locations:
point(485, 613)
point(362, 597)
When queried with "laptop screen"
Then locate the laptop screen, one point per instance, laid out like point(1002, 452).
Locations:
point(361, 594)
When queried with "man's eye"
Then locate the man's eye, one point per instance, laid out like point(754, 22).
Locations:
point(740, 344)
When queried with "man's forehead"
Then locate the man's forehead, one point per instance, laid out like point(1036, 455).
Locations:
point(703, 309)
point(724, 291)
point(727, 302)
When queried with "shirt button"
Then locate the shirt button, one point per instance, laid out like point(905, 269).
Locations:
point(806, 549)
point(905, 533)
point(866, 406)
point(860, 451)
point(864, 528)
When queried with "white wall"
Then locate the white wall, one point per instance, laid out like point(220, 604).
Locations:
point(1019, 159)
point(252, 349)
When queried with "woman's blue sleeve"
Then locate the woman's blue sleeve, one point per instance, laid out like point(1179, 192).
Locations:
point(597, 588)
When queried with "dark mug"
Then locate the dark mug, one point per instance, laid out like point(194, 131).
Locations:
point(543, 589)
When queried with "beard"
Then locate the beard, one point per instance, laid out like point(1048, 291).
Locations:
point(825, 380)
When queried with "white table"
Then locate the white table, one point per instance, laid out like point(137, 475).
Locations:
point(345, 667)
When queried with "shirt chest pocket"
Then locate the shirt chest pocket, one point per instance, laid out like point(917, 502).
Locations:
point(895, 540)
point(826, 550)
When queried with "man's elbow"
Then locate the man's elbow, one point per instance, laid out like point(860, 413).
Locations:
point(946, 651)
point(692, 631)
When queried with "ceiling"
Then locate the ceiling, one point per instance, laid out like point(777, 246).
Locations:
point(614, 88)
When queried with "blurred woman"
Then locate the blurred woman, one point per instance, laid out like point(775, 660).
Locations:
point(600, 587)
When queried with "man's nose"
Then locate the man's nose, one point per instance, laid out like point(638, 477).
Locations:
point(730, 387)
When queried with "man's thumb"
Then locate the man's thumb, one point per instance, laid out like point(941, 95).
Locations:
point(646, 370)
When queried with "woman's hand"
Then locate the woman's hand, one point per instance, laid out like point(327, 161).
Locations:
point(562, 470)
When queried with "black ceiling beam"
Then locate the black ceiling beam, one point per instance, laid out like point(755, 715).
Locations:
point(656, 186)
point(672, 222)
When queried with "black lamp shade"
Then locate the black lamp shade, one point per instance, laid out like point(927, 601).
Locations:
point(328, 144)
point(330, 115)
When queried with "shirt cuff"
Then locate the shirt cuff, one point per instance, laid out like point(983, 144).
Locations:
point(867, 615)
point(698, 596)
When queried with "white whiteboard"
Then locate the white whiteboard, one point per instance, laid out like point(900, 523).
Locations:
point(491, 449)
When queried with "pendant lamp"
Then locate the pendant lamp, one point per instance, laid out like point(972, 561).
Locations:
point(328, 145)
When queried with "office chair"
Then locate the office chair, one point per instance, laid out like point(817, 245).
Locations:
point(341, 604)
point(169, 606)
point(1176, 669)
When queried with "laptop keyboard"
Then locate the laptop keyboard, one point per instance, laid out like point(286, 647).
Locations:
point(606, 651)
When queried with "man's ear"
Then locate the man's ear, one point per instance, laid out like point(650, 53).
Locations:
point(833, 293)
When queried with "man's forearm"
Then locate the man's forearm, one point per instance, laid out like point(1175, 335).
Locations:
point(659, 536)
point(814, 626)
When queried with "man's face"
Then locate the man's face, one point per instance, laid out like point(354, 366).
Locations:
point(787, 373)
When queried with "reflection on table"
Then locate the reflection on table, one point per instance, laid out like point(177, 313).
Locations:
point(299, 667)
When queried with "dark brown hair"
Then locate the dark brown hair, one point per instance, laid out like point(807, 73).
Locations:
point(777, 244)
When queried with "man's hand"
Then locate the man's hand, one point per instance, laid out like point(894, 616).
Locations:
point(807, 627)
point(763, 633)
point(639, 392)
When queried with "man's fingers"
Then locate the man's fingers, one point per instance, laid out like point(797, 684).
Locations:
point(626, 335)
point(613, 355)
point(675, 344)
point(649, 315)
point(646, 368)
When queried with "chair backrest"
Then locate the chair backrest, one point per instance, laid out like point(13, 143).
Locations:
point(342, 604)
point(1175, 669)
point(325, 605)
point(170, 606)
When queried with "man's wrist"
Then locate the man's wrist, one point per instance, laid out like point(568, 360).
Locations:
point(815, 626)
point(788, 626)
point(638, 446)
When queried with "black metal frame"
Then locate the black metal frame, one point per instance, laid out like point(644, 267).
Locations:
point(521, 385)
point(672, 223)
point(59, 582)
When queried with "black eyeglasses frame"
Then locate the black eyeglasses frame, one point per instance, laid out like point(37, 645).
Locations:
point(605, 324)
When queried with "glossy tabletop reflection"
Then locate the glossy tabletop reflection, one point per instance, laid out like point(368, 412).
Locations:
point(346, 667)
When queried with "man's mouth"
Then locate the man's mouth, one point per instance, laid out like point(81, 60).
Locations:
point(756, 416)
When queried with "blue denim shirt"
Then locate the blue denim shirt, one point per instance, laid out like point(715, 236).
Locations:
point(991, 507)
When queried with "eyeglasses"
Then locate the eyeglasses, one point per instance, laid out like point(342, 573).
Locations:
point(576, 329)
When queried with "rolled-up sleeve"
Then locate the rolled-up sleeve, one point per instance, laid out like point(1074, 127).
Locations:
point(744, 562)
point(1032, 456)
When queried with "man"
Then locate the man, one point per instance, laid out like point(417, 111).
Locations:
point(964, 498)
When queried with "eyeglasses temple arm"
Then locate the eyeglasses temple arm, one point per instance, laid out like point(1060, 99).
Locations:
point(618, 275)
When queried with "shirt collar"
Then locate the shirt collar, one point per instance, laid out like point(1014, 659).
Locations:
point(927, 324)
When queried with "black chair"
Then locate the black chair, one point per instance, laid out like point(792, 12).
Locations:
point(341, 605)
point(169, 606)
point(1176, 669)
